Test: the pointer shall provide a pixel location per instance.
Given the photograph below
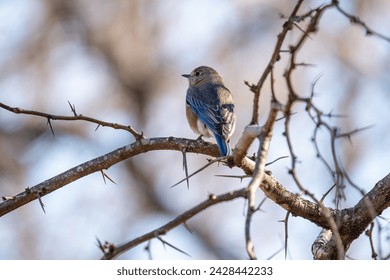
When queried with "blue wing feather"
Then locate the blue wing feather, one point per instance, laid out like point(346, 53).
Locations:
point(211, 116)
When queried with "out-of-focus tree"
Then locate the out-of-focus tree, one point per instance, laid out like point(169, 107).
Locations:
point(95, 64)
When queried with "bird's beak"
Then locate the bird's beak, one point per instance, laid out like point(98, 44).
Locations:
point(186, 75)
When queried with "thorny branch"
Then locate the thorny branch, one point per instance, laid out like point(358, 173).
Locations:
point(103, 163)
point(256, 89)
point(113, 251)
point(75, 117)
point(356, 20)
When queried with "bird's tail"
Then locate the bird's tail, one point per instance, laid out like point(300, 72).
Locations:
point(223, 145)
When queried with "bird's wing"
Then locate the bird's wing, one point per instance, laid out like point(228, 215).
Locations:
point(214, 116)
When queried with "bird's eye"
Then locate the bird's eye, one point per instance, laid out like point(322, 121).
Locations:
point(197, 73)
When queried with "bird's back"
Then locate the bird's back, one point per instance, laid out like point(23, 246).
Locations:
point(211, 101)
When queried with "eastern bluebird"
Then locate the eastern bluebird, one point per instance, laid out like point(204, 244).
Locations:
point(209, 107)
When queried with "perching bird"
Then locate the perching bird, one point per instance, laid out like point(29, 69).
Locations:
point(209, 107)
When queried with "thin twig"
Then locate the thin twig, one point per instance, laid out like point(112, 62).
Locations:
point(196, 172)
point(287, 26)
point(75, 117)
point(179, 220)
point(356, 20)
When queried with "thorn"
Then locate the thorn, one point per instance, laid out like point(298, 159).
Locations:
point(100, 244)
point(72, 108)
point(172, 246)
point(40, 202)
point(185, 167)
point(253, 88)
point(187, 227)
point(51, 127)
point(350, 133)
point(197, 171)
point(241, 177)
point(148, 250)
point(106, 176)
point(303, 31)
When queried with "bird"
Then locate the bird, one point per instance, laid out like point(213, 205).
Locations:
point(210, 107)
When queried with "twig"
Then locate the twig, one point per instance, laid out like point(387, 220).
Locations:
point(250, 249)
point(374, 255)
point(182, 218)
point(287, 26)
point(356, 20)
point(265, 139)
point(285, 221)
point(75, 117)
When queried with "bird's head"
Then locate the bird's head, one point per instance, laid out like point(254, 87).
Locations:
point(202, 75)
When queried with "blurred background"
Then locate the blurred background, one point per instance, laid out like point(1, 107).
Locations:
point(121, 61)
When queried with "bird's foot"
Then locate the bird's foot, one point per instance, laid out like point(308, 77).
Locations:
point(200, 139)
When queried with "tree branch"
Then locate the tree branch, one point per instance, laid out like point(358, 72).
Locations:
point(104, 162)
point(356, 20)
point(75, 117)
point(256, 89)
point(113, 251)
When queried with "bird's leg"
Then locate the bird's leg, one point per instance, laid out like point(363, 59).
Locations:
point(200, 138)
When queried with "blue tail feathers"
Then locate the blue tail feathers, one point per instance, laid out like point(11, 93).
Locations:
point(223, 146)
